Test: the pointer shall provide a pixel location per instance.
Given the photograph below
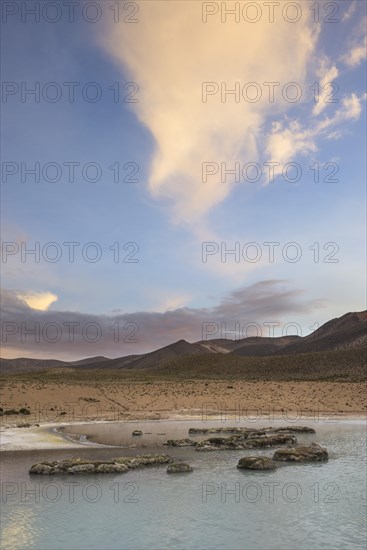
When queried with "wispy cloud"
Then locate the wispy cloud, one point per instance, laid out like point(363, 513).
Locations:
point(327, 76)
point(284, 143)
point(289, 139)
point(350, 11)
point(357, 44)
point(356, 54)
point(171, 53)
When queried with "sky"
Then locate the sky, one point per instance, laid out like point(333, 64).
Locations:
point(180, 169)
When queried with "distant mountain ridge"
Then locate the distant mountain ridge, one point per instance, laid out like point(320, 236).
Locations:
point(348, 332)
point(24, 364)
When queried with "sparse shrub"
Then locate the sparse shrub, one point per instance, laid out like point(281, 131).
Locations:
point(90, 399)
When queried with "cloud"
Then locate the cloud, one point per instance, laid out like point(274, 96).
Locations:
point(350, 11)
point(284, 143)
point(38, 300)
point(170, 53)
point(357, 45)
point(356, 54)
point(327, 75)
point(350, 110)
point(173, 302)
point(29, 332)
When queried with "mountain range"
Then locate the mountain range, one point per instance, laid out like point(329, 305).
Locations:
point(348, 332)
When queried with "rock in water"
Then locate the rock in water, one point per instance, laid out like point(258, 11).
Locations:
point(296, 429)
point(140, 461)
point(256, 463)
point(271, 440)
point(111, 469)
point(228, 430)
point(312, 453)
point(82, 469)
point(238, 442)
point(179, 468)
point(42, 468)
point(117, 465)
point(180, 443)
point(137, 433)
point(251, 432)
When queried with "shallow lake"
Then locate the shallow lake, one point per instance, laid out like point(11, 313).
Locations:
point(303, 506)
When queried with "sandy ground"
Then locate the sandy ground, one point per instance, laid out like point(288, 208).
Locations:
point(50, 402)
point(54, 403)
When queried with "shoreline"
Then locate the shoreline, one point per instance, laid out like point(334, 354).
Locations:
point(48, 436)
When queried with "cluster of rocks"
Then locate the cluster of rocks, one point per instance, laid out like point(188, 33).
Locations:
point(242, 430)
point(243, 438)
point(180, 443)
point(310, 453)
point(83, 466)
point(240, 438)
point(247, 438)
point(238, 442)
point(221, 430)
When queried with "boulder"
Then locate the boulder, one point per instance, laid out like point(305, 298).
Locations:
point(311, 453)
point(296, 429)
point(41, 468)
point(180, 443)
point(143, 460)
point(111, 468)
point(256, 463)
point(64, 465)
point(271, 440)
point(82, 469)
point(179, 468)
point(217, 441)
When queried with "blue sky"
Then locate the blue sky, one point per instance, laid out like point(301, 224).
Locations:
point(170, 212)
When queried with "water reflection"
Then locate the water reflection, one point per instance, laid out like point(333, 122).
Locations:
point(19, 527)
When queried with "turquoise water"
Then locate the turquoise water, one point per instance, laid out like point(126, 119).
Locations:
point(318, 506)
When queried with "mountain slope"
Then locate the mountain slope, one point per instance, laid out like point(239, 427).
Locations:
point(265, 346)
point(172, 351)
point(346, 332)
